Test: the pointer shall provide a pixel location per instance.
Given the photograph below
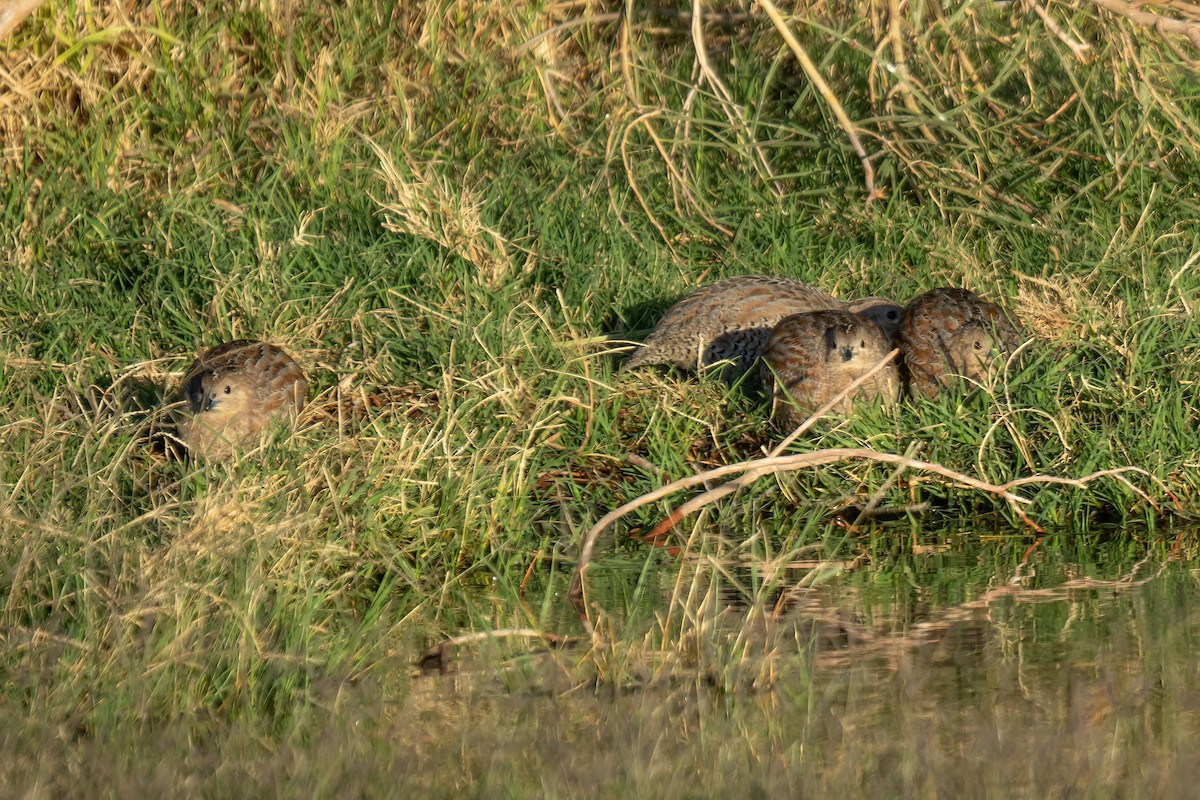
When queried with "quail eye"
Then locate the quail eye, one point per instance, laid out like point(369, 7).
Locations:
point(229, 389)
point(978, 346)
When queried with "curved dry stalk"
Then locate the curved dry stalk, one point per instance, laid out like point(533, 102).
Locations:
point(895, 37)
point(14, 13)
point(756, 468)
point(1117, 473)
point(839, 397)
point(732, 486)
point(535, 41)
point(1187, 265)
point(679, 180)
point(1131, 11)
point(768, 466)
point(810, 69)
point(437, 657)
point(637, 193)
point(644, 117)
point(610, 147)
point(1078, 49)
point(872, 506)
point(733, 111)
point(683, 125)
point(603, 18)
point(1021, 445)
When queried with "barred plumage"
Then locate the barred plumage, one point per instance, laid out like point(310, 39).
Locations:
point(233, 392)
point(948, 334)
point(732, 319)
point(814, 356)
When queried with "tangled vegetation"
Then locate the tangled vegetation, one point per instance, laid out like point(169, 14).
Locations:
point(455, 214)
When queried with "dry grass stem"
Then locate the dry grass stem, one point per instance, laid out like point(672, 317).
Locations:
point(717, 493)
point(895, 37)
point(773, 465)
point(803, 427)
point(14, 12)
point(604, 18)
point(1132, 11)
point(438, 656)
point(627, 162)
point(732, 110)
point(814, 75)
point(1079, 49)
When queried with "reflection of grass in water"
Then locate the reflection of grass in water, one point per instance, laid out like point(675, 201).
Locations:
point(982, 711)
point(179, 174)
point(1088, 692)
point(732, 619)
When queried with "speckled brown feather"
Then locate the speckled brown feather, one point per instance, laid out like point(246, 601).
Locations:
point(947, 334)
point(732, 319)
point(233, 391)
point(815, 355)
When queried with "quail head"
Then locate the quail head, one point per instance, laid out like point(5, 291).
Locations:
point(233, 392)
point(816, 355)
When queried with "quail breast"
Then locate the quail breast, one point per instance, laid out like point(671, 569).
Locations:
point(814, 356)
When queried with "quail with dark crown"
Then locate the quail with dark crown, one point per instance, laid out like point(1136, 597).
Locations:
point(233, 392)
point(812, 357)
point(732, 320)
point(948, 335)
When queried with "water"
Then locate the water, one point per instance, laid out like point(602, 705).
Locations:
point(952, 666)
point(938, 675)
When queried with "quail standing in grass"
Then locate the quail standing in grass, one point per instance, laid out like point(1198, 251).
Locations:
point(812, 357)
point(947, 335)
point(732, 320)
point(233, 392)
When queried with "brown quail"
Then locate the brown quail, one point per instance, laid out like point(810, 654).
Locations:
point(233, 392)
point(815, 355)
point(947, 335)
point(732, 319)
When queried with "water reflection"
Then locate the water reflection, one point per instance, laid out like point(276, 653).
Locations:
point(953, 668)
point(1054, 678)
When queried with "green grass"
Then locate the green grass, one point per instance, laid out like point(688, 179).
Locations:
point(207, 174)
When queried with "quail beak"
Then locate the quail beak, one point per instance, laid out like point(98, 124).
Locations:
point(201, 401)
point(847, 353)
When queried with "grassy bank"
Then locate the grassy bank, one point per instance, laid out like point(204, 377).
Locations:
point(452, 219)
